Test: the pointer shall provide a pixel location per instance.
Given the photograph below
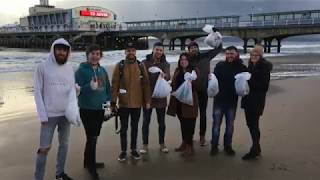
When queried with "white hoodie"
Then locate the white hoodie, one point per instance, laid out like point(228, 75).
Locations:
point(52, 83)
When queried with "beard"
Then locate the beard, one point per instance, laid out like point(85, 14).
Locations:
point(61, 59)
point(131, 57)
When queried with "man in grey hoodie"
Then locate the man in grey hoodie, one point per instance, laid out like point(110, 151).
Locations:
point(53, 80)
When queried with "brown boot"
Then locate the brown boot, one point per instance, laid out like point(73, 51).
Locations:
point(181, 148)
point(203, 141)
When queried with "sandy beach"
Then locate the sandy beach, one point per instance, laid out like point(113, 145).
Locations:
point(290, 148)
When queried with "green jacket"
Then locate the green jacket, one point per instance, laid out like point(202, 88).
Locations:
point(89, 98)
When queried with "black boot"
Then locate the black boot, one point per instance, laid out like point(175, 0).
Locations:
point(254, 153)
point(228, 150)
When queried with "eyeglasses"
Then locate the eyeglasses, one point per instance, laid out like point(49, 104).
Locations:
point(256, 55)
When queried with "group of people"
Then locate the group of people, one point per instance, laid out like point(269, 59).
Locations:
point(130, 91)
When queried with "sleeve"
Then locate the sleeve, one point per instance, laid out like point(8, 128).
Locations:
point(38, 94)
point(167, 72)
point(115, 84)
point(85, 87)
point(146, 87)
point(209, 55)
point(108, 87)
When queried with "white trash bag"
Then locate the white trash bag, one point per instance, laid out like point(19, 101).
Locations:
point(241, 83)
point(72, 111)
point(214, 39)
point(184, 92)
point(162, 88)
point(213, 86)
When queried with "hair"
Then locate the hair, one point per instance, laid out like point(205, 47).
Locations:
point(62, 46)
point(232, 48)
point(158, 44)
point(93, 47)
point(258, 49)
point(189, 68)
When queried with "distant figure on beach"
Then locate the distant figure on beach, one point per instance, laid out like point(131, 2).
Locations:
point(156, 59)
point(95, 91)
point(131, 91)
point(186, 113)
point(52, 82)
point(202, 62)
point(253, 104)
point(225, 102)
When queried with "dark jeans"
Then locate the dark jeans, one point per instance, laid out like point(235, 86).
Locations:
point(92, 121)
point(161, 112)
point(252, 119)
point(218, 113)
point(134, 113)
point(203, 103)
point(187, 129)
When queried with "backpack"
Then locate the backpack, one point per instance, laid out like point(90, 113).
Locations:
point(121, 68)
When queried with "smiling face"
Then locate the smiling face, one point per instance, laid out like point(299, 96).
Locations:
point(131, 53)
point(231, 55)
point(158, 52)
point(94, 57)
point(184, 63)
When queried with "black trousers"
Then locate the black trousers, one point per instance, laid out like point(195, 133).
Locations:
point(252, 119)
point(92, 121)
point(187, 129)
point(161, 113)
point(134, 114)
point(203, 103)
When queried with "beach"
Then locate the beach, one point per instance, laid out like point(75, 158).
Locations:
point(289, 131)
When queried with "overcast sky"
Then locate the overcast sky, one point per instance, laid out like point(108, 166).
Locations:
point(132, 10)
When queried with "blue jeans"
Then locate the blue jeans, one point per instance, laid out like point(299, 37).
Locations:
point(161, 112)
point(46, 136)
point(218, 113)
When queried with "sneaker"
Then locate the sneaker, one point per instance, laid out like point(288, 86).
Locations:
point(63, 176)
point(144, 149)
point(123, 156)
point(203, 141)
point(229, 150)
point(163, 148)
point(135, 155)
point(214, 150)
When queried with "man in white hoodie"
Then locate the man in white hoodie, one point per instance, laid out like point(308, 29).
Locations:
point(52, 82)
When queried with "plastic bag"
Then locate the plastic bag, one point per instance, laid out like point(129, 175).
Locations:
point(184, 93)
point(190, 76)
point(241, 83)
point(213, 86)
point(155, 69)
point(214, 39)
point(72, 111)
point(162, 88)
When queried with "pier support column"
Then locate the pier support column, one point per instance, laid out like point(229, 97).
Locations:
point(245, 45)
point(173, 44)
point(183, 44)
point(279, 45)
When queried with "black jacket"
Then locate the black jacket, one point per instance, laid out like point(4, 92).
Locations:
point(259, 85)
point(225, 72)
point(202, 63)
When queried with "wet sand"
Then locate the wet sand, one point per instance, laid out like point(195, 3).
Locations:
point(289, 143)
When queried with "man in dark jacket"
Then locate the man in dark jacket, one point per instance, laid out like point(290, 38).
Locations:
point(156, 59)
point(202, 62)
point(225, 102)
point(253, 104)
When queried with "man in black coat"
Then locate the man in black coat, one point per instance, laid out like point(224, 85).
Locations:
point(202, 62)
point(225, 102)
point(253, 104)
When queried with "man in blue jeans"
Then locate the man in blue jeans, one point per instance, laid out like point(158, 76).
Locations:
point(225, 102)
point(52, 82)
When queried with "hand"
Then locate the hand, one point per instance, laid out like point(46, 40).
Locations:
point(148, 106)
point(78, 89)
point(94, 84)
point(45, 123)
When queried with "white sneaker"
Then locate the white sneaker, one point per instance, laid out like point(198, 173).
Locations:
point(164, 149)
point(144, 149)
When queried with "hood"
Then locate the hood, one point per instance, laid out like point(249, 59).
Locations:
point(52, 58)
